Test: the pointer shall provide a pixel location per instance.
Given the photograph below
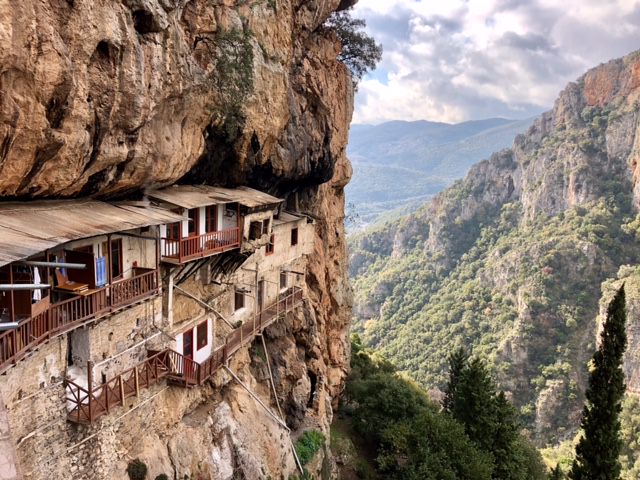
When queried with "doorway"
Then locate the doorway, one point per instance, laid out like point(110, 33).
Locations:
point(187, 344)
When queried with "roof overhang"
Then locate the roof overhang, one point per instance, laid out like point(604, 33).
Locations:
point(194, 196)
point(28, 228)
point(287, 217)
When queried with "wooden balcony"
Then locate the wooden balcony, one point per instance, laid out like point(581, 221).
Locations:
point(68, 314)
point(199, 246)
point(196, 374)
point(86, 405)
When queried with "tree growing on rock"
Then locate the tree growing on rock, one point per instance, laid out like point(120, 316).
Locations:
point(598, 450)
point(360, 52)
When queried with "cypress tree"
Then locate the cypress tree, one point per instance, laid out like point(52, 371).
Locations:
point(599, 447)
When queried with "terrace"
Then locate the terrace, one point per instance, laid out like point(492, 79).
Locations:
point(213, 219)
point(62, 277)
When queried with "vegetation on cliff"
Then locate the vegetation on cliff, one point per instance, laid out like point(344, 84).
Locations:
point(598, 450)
point(411, 437)
point(509, 262)
point(360, 52)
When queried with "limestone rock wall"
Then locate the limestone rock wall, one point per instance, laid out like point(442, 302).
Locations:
point(105, 97)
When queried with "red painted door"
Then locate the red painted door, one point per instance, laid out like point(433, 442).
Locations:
point(187, 351)
point(187, 344)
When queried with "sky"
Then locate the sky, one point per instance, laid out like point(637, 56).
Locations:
point(457, 60)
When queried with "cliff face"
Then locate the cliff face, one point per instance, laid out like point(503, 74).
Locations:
point(107, 99)
point(511, 259)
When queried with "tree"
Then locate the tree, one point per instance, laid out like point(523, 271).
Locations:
point(474, 404)
point(360, 52)
point(489, 420)
point(600, 444)
point(556, 473)
point(458, 361)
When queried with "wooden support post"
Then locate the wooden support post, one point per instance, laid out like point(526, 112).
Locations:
point(136, 380)
point(121, 390)
point(89, 389)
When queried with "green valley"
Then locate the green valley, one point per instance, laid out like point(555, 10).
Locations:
point(515, 261)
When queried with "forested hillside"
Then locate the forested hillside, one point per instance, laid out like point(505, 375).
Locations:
point(398, 165)
point(511, 260)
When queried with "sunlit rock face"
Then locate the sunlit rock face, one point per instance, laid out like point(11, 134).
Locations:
point(108, 97)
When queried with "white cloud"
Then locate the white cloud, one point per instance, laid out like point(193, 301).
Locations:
point(457, 60)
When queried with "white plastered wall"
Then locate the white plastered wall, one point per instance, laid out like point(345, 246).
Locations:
point(202, 354)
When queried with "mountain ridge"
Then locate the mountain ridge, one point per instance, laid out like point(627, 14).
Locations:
point(422, 156)
point(510, 260)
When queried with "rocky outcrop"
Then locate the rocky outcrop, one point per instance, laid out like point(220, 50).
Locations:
point(109, 98)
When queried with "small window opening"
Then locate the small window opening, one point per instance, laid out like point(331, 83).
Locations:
point(239, 300)
point(294, 236)
point(202, 334)
point(255, 230)
point(271, 245)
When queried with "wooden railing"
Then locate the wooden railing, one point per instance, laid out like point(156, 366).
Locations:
point(85, 405)
point(124, 292)
point(200, 246)
point(66, 315)
point(245, 333)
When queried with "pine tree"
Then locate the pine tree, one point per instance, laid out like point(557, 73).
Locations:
point(600, 444)
point(474, 404)
point(556, 473)
point(508, 456)
point(489, 420)
point(458, 361)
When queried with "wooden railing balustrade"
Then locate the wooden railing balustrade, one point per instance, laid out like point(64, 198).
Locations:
point(66, 315)
point(199, 246)
point(87, 405)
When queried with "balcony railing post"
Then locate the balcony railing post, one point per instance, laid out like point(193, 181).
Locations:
point(89, 388)
point(121, 390)
point(155, 367)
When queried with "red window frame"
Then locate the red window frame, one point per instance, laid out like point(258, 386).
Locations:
point(211, 218)
point(271, 245)
point(202, 335)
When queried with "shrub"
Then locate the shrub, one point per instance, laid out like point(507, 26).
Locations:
point(308, 445)
point(137, 470)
